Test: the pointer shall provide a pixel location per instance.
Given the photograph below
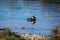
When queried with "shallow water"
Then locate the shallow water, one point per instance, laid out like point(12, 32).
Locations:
point(14, 14)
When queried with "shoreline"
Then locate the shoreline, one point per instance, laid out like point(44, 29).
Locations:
point(34, 36)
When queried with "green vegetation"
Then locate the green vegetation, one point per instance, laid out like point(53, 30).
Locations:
point(6, 34)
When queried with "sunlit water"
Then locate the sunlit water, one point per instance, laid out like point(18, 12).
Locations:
point(14, 15)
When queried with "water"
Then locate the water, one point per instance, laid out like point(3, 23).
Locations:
point(13, 14)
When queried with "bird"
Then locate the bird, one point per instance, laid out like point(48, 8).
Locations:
point(32, 19)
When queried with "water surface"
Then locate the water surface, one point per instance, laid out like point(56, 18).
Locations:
point(13, 14)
